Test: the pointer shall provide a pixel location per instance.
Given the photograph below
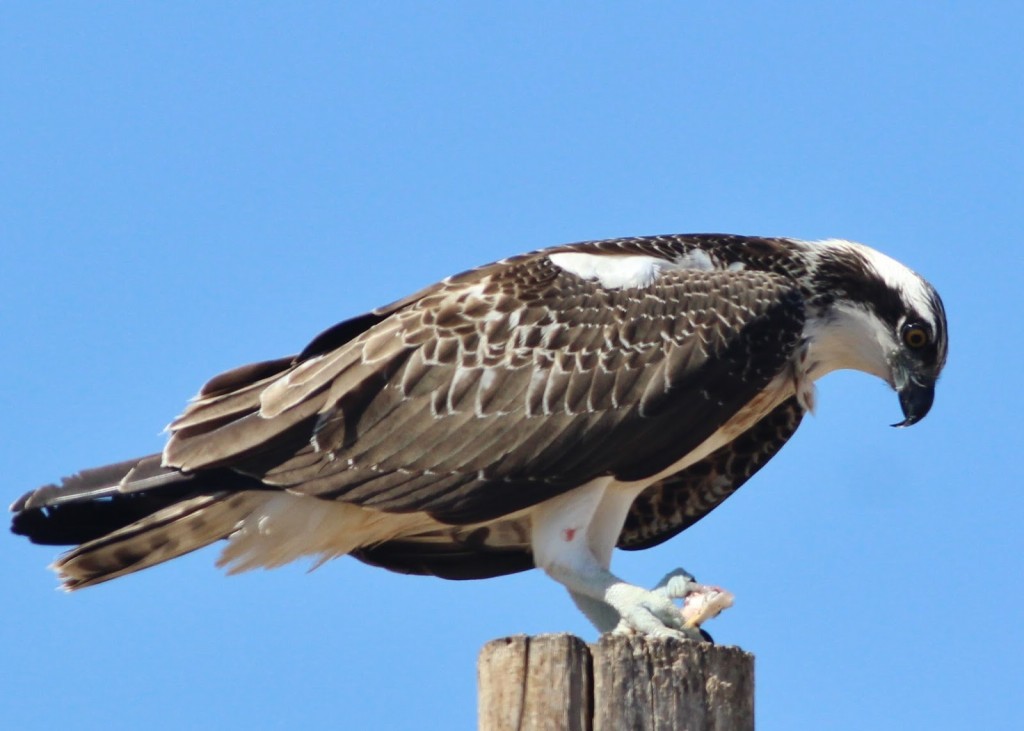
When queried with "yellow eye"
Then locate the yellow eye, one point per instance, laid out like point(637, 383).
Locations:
point(915, 336)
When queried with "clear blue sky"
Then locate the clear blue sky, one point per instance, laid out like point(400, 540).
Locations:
point(186, 187)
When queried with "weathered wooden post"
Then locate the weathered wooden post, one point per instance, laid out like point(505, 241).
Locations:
point(559, 683)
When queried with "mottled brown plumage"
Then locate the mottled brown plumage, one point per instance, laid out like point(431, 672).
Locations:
point(462, 403)
point(424, 436)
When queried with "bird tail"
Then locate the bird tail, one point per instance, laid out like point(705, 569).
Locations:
point(132, 515)
point(125, 517)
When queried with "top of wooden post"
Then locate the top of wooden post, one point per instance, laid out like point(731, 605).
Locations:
point(559, 683)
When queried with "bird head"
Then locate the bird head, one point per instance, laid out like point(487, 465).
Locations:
point(881, 317)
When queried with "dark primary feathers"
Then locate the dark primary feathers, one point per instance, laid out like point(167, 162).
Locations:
point(465, 404)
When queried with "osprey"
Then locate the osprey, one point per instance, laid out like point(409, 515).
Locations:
point(538, 411)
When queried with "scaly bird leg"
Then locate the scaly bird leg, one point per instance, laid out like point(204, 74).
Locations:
point(614, 605)
point(572, 540)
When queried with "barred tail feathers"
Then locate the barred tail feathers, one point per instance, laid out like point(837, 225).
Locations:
point(129, 516)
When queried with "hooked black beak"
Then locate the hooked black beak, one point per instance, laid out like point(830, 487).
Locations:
point(916, 401)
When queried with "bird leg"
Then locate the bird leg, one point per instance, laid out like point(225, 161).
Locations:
point(700, 603)
point(572, 537)
point(675, 585)
point(614, 605)
point(600, 613)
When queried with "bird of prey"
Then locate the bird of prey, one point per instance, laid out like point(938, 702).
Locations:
point(537, 411)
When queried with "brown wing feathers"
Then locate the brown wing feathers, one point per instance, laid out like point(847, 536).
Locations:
point(474, 398)
point(465, 403)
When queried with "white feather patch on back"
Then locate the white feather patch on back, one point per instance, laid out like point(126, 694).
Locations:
point(613, 272)
point(696, 259)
